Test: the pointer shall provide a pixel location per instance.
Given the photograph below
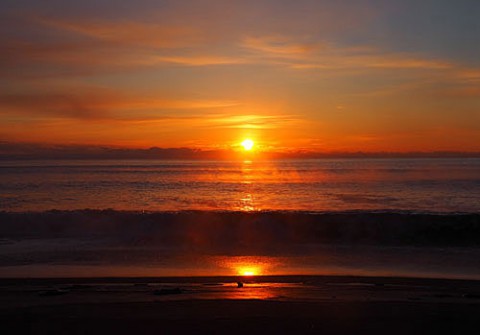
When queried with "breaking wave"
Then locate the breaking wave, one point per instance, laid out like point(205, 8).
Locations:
point(217, 231)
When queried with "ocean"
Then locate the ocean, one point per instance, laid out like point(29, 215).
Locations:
point(362, 217)
point(419, 185)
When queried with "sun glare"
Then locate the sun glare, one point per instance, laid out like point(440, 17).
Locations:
point(247, 271)
point(247, 144)
point(247, 266)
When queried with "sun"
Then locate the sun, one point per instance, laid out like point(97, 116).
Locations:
point(247, 144)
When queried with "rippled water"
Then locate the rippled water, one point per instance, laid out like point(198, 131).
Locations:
point(439, 185)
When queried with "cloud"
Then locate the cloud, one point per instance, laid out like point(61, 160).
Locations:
point(84, 47)
point(92, 46)
point(97, 104)
point(469, 75)
point(277, 46)
point(82, 106)
point(129, 33)
point(463, 92)
point(328, 56)
point(253, 121)
point(204, 60)
point(445, 77)
point(397, 61)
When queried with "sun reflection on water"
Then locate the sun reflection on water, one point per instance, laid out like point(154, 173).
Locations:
point(247, 204)
point(247, 199)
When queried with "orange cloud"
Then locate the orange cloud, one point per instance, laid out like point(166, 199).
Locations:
point(129, 32)
point(469, 75)
point(197, 60)
point(254, 121)
point(277, 46)
point(463, 92)
point(98, 104)
point(287, 52)
point(109, 46)
point(89, 47)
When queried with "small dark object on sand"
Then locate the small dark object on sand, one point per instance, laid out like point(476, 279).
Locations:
point(52, 293)
point(239, 284)
point(471, 295)
point(167, 291)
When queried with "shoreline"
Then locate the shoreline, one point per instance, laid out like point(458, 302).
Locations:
point(233, 278)
point(327, 305)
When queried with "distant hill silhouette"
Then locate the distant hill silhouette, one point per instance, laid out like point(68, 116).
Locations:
point(16, 150)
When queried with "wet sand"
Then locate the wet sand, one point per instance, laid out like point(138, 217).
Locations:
point(332, 305)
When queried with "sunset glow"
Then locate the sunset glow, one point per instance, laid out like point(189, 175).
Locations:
point(248, 266)
point(194, 74)
point(247, 166)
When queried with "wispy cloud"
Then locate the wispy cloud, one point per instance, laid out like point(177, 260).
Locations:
point(80, 46)
point(253, 121)
point(421, 73)
point(471, 91)
point(96, 104)
point(469, 75)
point(129, 33)
point(87, 46)
point(202, 60)
point(277, 46)
point(328, 56)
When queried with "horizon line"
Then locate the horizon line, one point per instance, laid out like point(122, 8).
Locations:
point(35, 151)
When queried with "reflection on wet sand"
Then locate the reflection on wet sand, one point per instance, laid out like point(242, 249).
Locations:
point(250, 291)
point(259, 288)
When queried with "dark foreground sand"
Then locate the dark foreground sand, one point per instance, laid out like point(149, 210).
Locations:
point(245, 317)
point(441, 307)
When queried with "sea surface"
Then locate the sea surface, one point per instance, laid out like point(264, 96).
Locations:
point(420, 185)
point(362, 217)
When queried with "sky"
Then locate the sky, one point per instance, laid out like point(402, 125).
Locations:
point(323, 76)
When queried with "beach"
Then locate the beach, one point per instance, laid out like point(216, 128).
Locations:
point(214, 305)
point(320, 247)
